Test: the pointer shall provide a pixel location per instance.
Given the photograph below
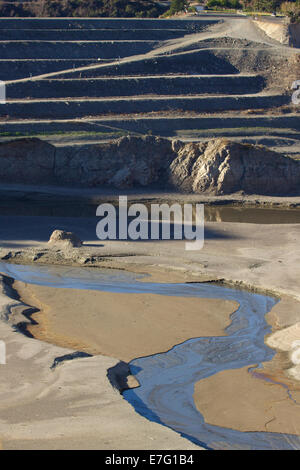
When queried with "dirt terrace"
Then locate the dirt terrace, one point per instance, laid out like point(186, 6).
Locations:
point(111, 75)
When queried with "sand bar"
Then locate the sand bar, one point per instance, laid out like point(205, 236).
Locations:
point(121, 325)
point(238, 400)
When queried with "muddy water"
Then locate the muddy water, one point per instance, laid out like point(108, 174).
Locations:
point(213, 213)
point(251, 215)
point(167, 379)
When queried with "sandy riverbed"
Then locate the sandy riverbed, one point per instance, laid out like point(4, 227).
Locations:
point(121, 325)
point(257, 398)
point(135, 325)
point(237, 399)
point(32, 407)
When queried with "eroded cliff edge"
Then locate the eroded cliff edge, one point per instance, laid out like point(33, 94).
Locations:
point(216, 167)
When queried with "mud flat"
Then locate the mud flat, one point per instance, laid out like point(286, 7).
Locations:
point(121, 325)
point(166, 379)
point(55, 398)
point(261, 257)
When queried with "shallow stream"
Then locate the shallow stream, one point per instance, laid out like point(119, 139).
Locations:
point(167, 378)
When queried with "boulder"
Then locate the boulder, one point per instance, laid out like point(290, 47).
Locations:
point(69, 239)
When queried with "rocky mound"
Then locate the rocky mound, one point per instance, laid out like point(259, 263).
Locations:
point(222, 167)
point(217, 167)
point(60, 237)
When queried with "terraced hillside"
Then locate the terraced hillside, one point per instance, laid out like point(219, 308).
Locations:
point(79, 80)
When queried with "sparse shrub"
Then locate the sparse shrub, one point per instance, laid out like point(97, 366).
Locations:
point(292, 10)
point(84, 8)
point(230, 4)
point(177, 6)
point(262, 5)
